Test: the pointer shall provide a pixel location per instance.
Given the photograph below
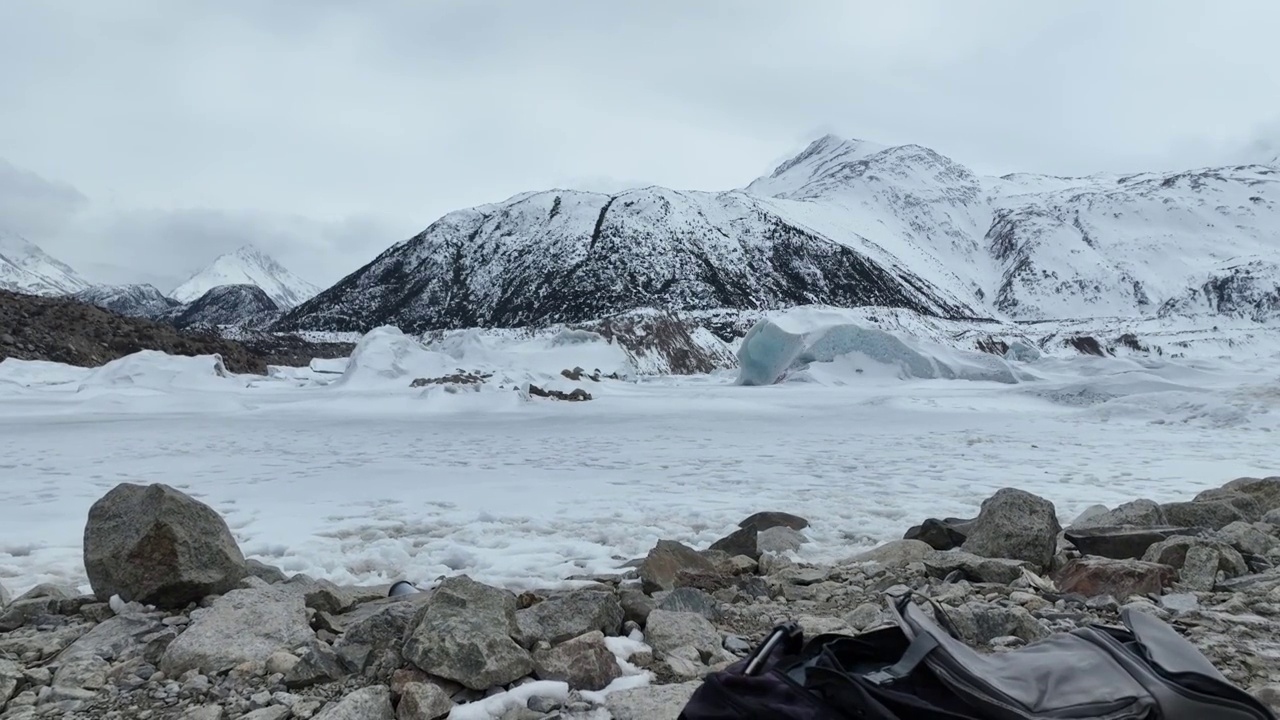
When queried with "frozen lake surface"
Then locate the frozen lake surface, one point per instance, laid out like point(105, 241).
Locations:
point(372, 485)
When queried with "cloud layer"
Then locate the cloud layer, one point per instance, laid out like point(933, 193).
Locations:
point(151, 136)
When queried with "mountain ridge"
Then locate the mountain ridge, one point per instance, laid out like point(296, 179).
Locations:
point(844, 222)
point(26, 268)
point(247, 265)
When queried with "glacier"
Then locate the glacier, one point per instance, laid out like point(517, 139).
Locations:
point(771, 351)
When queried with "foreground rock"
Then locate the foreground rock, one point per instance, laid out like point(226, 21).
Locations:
point(464, 635)
point(584, 662)
point(241, 626)
point(668, 562)
point(1096, 576)
point(565, 617)
point(1015, 525)
point(158, 546)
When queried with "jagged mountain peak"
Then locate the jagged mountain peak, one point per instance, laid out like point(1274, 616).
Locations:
point(26, 268)
point(241, 305)
point(817, 160)
point(248, 265)
point(139, 300)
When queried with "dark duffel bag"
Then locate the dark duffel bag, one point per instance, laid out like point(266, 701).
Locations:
point(920, 671)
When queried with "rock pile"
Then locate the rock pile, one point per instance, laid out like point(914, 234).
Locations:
point(181, 627)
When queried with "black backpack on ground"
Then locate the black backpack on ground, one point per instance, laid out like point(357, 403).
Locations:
point(919, 671)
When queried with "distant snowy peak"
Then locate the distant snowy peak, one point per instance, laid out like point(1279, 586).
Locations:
point(248, 266)
point(25, 268)
point(818, 160)
point(130, 300)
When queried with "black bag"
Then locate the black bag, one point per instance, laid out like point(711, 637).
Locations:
point(919, 671)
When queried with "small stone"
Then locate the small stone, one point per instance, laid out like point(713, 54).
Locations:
point(542, 704)
point(691, 600)
point(370, 703)
point(865, 616)
point(274, 712)
point(737, 645)
point(423, 701)
point(667, 631)
point(281, 662)
point(205, 712)
point(1180, 602)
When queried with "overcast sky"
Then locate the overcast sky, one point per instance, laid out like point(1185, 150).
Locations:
point(141, 138)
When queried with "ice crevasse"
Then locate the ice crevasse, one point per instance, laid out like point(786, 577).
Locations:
point(777, 347)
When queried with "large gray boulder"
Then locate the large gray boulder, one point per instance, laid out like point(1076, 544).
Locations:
point(1248, 537)
point(464, 634)
point(241, 626)
point(769, 519)
point(564, 617)
point(158, 546)
point(1015, 525)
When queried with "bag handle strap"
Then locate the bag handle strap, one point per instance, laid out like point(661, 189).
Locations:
point(916, 652)
point(899, 605)
point(789, 635)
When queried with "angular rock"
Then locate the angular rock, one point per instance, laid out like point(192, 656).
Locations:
point(740, 542)
point(1272, 518)
point(29, 611)
point(10, 677)
point(662, 567)
point(940, 534)
point(655, 702)
point(117, 639)
point(1015, 525)
point(980, 622)
point(370, 703)
point(423, 701)
point(1088, 514)
point(865, 616)
point(1122, 543)
point(206, 712)
point(564, 617)
point(371, 629)
point(765, 520)
point(275, 712)
point(692, 600)
point(84, 672)
point(1214, 514)
point(667, 631)
point(321, 595)
point(1264, 491)
point(1209, 557)
point(584, 662)
point(281, 662)
point(1095, 576)
point(980, 569)
point(464, 634)
point(318, 664)
point(1138, 514)
point(1180, 602)
point(779, 539)
point(270, 574)
point(241, 626)
point(5, 597)
point(158, 546)
point(1200, 568)
point(636, 605)
point(896, 553)
point(1248, 538)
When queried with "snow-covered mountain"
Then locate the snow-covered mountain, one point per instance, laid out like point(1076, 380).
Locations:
point(847, 223)
point(248, 266)
point(243, 306)
point(132, 300)
point(25, 268)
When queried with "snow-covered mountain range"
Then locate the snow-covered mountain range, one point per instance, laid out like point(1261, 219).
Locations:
point(845, 222)
point(248, 266)
point(25, 268)
point(132, 300)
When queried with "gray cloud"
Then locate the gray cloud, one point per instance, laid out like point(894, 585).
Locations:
point(330, 130)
